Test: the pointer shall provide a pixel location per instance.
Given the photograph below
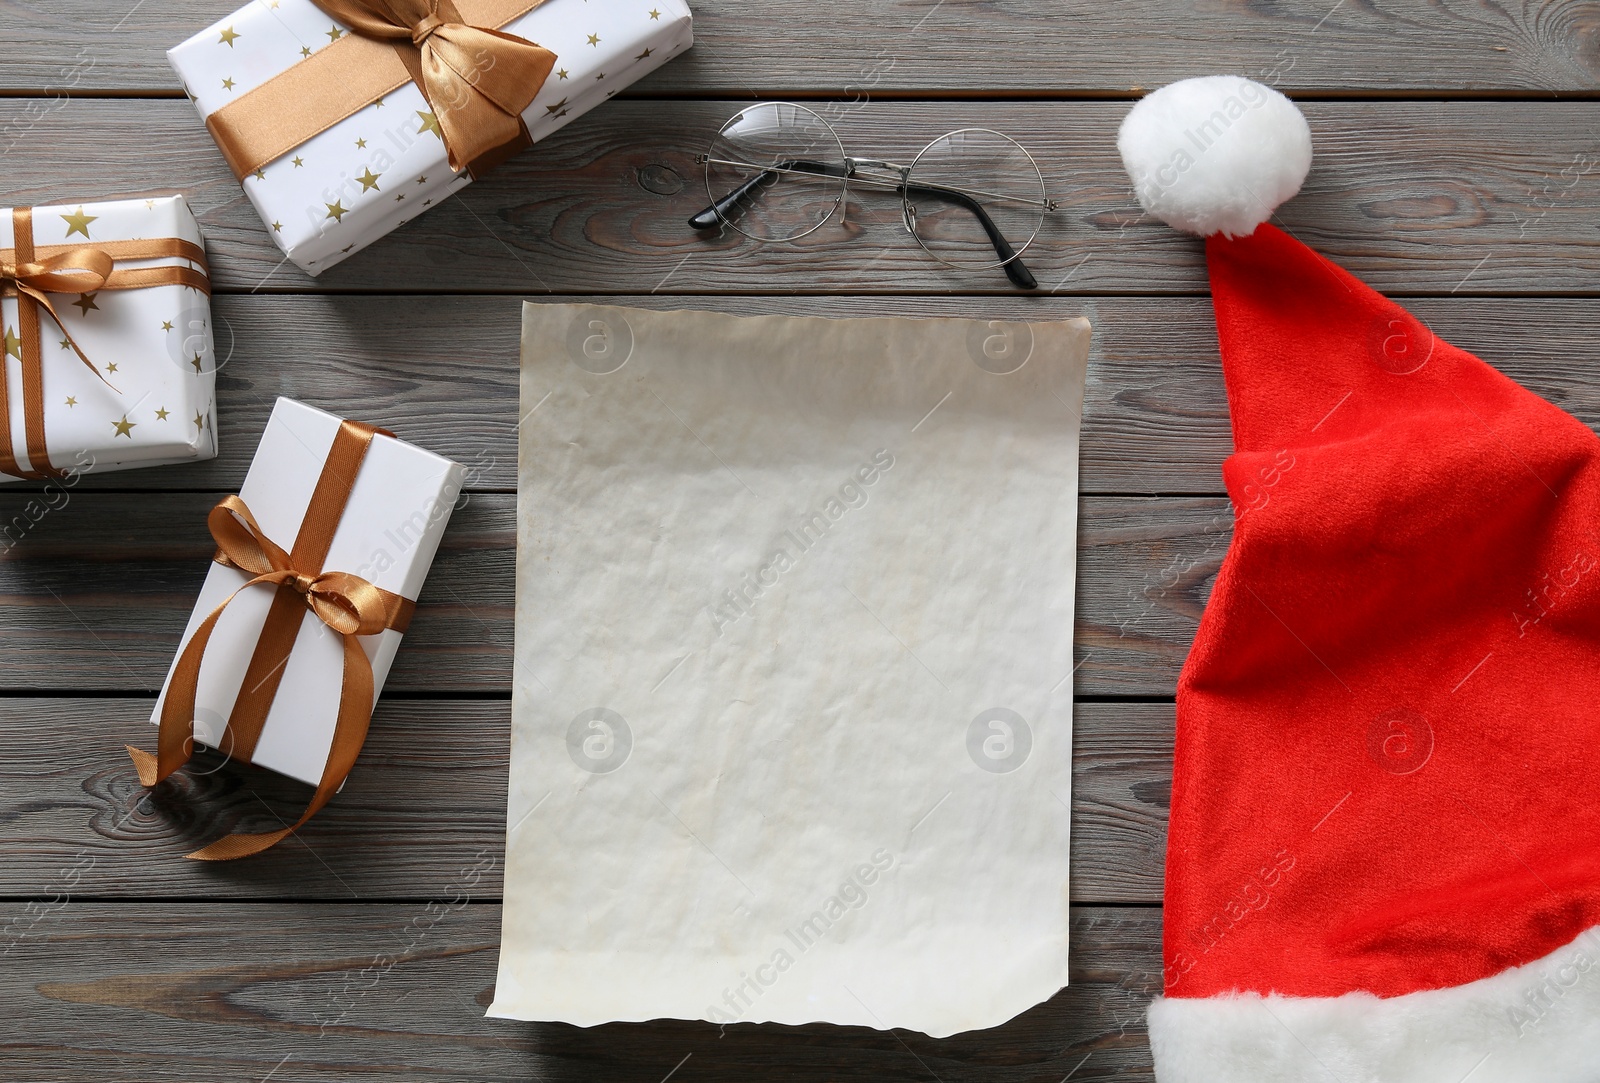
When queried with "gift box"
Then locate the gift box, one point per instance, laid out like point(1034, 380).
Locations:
point(109, 359)
point(327, 123)
point(320, 559)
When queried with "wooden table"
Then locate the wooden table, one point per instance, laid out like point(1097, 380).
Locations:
point(1458, 147)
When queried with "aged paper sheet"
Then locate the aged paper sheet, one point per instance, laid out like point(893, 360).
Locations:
point(792, 719)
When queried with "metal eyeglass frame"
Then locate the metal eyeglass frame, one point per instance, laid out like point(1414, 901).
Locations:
point(889, 176)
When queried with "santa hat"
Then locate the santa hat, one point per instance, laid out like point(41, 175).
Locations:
point(1384, 854)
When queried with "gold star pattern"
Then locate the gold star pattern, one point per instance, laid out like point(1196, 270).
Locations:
point(361, 144)
point(66, 344)
point(73, 402)
point(227, 84)
point(260, 174)
point(78, 223)
point(277, 227)
point(561, 73)
point(334, 33)
point(336, 210)
point(199, 421)
point(422, 179)
point(111, 366)
point(228, 37)
point(430, 123)
point(594, 39)
point(13, 344)
point(298, 161)
point(551, 109)
point(85, 302)
point(161, 415)
point(195, 361)
point(166, 325)
point(399, 197)
point(654, 14)
point(305, 50)
point(123, 427)
point(642, 55)
point(602, 75)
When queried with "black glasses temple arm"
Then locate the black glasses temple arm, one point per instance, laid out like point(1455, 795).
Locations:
point(747, 192)
point(1015, 269)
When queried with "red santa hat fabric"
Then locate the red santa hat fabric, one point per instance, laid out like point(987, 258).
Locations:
point(1384, 853)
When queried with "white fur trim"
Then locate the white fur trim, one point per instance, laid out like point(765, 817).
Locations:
point(1538, 1023)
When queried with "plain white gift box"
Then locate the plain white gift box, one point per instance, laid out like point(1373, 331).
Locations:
point(398, 508)
point(351, 184)
point(154, 346)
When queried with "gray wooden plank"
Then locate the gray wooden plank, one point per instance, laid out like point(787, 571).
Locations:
point(442, 372)
point(316, 993)
point(1471, 198)
point(427, 798)
point(107, 614)
point(957, 48)
point(95, 593)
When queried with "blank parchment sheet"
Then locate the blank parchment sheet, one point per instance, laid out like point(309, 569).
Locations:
point(792, 710)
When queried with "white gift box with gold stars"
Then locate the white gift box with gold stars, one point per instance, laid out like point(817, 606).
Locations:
point(352, 183)
point(151, 398)
point(398, 506)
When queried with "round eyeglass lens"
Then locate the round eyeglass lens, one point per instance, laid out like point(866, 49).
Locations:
point(775, 172)
point(968, 185)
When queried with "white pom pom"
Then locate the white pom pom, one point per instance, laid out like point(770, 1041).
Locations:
point(1216, 154)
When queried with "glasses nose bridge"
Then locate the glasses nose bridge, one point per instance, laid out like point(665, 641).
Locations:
point(877, 169)
point(888, 174)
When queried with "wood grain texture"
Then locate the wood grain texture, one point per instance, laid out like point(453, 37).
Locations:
point(427, 799)
point(95, 594)
point(442, 372)
point(242, 991)
point(1458, 165)
point(1467, 198)
point(766, 48)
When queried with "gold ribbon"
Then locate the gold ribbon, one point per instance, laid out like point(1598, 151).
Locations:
point(347, 604)
point(476, 79)
point(31, 273)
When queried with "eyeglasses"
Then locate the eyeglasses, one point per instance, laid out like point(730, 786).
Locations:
point(777, 172)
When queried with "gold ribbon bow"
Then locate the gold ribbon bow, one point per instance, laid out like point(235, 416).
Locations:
point(476, 79)
point(31, 274)
point(349, 605)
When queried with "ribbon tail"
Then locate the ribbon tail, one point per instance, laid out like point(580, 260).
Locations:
point(175, 739)
point(470, 130)
point(145, 764)
point(43, 301)
point(349, 733)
